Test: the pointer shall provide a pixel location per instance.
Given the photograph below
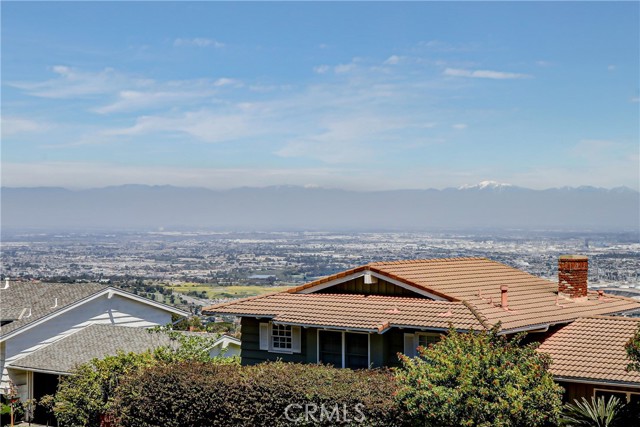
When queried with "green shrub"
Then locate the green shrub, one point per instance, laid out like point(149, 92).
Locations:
point(478, 379)
point(229, 395)
point(84, 397)
point(596, 413)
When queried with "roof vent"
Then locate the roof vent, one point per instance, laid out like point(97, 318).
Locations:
point(24, 311)
point(369, 279)
point(504, 297)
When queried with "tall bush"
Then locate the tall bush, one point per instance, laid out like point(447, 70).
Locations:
point(478, 379)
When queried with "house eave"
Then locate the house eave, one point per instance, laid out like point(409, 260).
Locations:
point(39, 370)
point(579, 380)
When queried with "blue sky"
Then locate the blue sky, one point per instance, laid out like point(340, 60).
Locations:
point(344, 95)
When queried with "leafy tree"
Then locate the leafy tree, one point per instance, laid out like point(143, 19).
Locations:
point(633, 351)
point(86, 396)
point(594, 413)
point(479, 379)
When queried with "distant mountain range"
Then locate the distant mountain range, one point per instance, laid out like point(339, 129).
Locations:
point(486, 205)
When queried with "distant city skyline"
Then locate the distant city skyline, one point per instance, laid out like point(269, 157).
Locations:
point(360, 96)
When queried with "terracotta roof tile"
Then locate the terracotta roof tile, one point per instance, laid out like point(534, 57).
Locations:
point(532, 301)
point(354, 311)
point(592, 348)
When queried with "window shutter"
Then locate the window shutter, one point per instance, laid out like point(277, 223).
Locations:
point(410, 345)
point(296, 338)
point(264, 336)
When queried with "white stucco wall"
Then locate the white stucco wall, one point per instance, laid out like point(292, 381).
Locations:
point(116, 310)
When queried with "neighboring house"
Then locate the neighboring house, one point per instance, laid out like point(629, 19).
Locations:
point(589, 358)
point(43, 329)
point(364, 316)
point(225, 346)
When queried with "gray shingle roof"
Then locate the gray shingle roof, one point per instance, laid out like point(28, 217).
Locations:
point(39, 300)
point(94, 341)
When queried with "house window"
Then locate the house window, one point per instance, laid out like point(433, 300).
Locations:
point(425, 340)
point(624, 396)
point(281, 337)
point(344, 349)
point(415, 340)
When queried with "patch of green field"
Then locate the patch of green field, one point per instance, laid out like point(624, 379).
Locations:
point(214, 292)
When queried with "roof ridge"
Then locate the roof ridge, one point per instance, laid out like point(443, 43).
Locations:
point(224, 304)
point(481, 317)
point(428, 260)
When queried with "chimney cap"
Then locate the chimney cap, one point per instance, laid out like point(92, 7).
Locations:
point(504, 288)
point(573, 257)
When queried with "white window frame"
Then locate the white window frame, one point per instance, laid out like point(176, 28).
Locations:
point(267, 328)
point(610, 390)
point(344, 345)
point(415, 338)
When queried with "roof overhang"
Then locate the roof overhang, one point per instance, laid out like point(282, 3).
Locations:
point(39, 370)
point(594, 381)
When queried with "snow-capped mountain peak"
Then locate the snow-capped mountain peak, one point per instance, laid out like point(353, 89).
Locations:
point(486, 185)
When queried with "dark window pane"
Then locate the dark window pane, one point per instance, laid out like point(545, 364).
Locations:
point(331, 348)
point(357, 352)
point(607, 393)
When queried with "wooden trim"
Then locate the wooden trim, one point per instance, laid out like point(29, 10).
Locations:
point(597, 382)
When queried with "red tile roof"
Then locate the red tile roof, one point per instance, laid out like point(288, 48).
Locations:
point(532, 301)
point(370, 312)
point(592, 349)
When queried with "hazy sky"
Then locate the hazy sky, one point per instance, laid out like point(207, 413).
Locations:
point(355, 95)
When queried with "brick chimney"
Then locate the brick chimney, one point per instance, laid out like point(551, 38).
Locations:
point(572, 275)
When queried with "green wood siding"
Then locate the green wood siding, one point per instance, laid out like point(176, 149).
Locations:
point(384, 347)
point(358, 287)
point(251, 354)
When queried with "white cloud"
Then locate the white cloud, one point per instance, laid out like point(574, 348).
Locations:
point(321, 69)
point(198, 42)
point(459, 126)
point(611, 67)
point(224, 81)
point(18, 125)
point(484, 74)
point(204, 125)
point(393, 60)
point(344, 68)
point(72, 83)
point(635, 99)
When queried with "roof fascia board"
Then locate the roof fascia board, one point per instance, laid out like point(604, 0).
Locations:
point(331, 283)
point(147, 301)
point(384, 277)
point(54, 314)
point(42, 371)
point(327, 327)
point(257, 316)
point(597, 382)
point(84, 301)
point(408, 287)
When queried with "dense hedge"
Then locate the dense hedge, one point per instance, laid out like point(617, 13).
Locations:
point(229, 395)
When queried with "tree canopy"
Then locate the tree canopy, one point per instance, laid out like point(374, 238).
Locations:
point(479, 379)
